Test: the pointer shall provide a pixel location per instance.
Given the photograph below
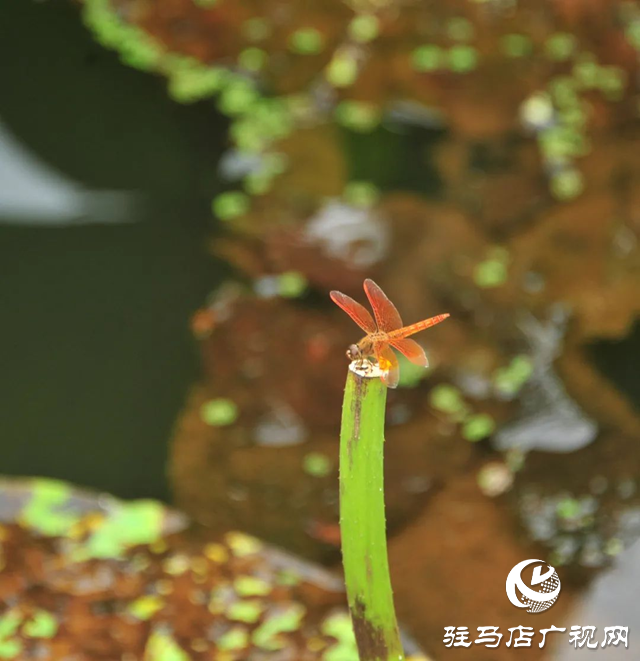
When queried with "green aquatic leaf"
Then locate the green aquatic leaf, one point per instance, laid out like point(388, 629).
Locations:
point(364, 28)
point(478, 426)
point(219, 412)
point(317, 464)
point(283, 620)
point(144, 608)
point(236, 638)
point(231, 204)
point(161, 646)
point(245, 611)
point(130, 524)
point(41, 625)
point(45, 511)
point(306, 41)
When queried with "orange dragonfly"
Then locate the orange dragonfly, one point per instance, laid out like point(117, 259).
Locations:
point(385, 332)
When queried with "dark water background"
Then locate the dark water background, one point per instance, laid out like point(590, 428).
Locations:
point(95, 351)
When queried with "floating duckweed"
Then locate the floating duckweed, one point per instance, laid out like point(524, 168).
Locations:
point(361, 193)
point(307, 41)
point(342, 70)
point(292, 284)
point(612, 81)
point(216, 553)
point(614, 547)
point(289, 618)
point(187, 84)
point(317, 464)
point(252, 59)
point(516, 45)
point(250, 586)
point(245, 611)
point(586, 73)
point(567, 184)
point(161, 646)
point(269, 120)
point(428, 58)
point(564, 90)
point(490, 273)
point(205, 4)
point(257, 183)
point(237, 97)
point(447, 398)
point(41, 625)
point(256, 29)
point(339, 626)
point(358, 115)
point(560, 46)
point(247, 135)
point(219, 412)
point(231, 205)
point(236, 638)
point(130, 524)
point(43, 511)
point(632, 33)
point(242, 545)
point(478, 426)
point(146, 607)
point(136, 48)
point(568, 509)
point(10, 648)
point(460, 29)
point(562, 143)
point(575, 118)
point(9, 623)
point(364, 28)
point(509, 379)
point(463, 59)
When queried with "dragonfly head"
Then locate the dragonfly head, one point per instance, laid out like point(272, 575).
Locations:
point(354, 353)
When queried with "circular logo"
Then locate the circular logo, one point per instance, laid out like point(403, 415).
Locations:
point(543, 588)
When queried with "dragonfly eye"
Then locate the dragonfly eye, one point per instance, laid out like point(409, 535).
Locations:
point(353, 352)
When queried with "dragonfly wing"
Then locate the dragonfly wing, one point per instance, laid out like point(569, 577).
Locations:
point(385, 312)
point(411, 350)
point(357, 312)
point(389, 363)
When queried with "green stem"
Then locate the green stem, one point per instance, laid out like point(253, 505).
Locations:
point(362, 521)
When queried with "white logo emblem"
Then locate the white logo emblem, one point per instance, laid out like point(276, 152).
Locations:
point(535, 601)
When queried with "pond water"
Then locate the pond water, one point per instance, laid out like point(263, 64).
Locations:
point(107, 245)
point(96, 351)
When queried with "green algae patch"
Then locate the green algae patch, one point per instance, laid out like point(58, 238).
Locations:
point(131, 524)
point(250, 586)
point(317, 464)
point(242, 545)
point(235, 639)
point(339, 626)
point(162, 646)
point(9, 624)
point(42, 624)
point(268, 635)
point(245, 611)
point(146, 607)
point(44, 511)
